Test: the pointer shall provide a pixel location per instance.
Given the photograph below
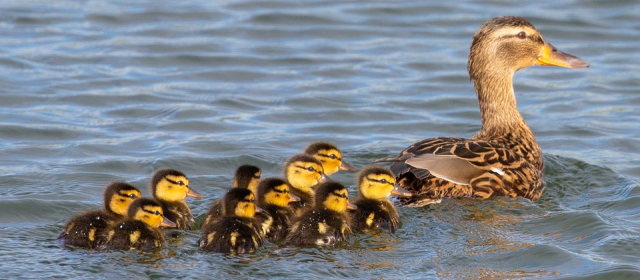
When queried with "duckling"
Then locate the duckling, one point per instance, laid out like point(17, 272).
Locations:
point(330, 157)
point(303, 172)
point(327, 223)
point(85, 229)
point(503, 158)
point(140, 230)
point(274, 197)
point(246, 177)
point(170, 187)
point(236, 232)
point(375, 211)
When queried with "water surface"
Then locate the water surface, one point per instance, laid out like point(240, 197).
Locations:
point(95, 91)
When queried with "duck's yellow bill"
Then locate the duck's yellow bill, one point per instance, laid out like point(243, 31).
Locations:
point(553, 57)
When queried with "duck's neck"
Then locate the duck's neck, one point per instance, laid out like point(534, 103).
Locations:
point(498, 107)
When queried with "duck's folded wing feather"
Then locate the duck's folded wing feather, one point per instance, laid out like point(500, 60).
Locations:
point(448, 167)
point(457, 160)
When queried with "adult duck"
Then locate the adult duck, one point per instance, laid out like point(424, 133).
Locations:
point(503, 158)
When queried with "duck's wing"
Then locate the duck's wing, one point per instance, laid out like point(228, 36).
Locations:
point(457, 160)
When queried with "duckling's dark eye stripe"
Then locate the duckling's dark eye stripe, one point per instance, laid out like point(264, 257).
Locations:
point(329, 156)
point(380, 181)
point(174, 182)
point(151, 212)
point(302, 167)
point(131, 195)
point(340, 195)
point(280, 191)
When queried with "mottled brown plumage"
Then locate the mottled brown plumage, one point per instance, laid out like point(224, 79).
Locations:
point(503, 158)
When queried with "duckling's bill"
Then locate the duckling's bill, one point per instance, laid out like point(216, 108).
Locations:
point(344, 166)
point(553, 57)
point(293, 197)
point(351, 206)
point(400, 192)
point(324, 178)
point(193, 193)
point(166, 223)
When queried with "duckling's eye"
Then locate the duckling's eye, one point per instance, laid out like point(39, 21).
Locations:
point(310, 168)
point(332, 156)
point(156, 212)
point(384, 181)
point(180, 183)
point(132, 195)
point(522, 35)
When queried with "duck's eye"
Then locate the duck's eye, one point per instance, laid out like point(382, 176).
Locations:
point(156, 212)
point(310, 168)
point(332, 156)
point(384, 181)
point(180, 183)
point(522, 35)
point(132, 195)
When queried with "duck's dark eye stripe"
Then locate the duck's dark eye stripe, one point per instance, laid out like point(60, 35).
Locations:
point(280, 191)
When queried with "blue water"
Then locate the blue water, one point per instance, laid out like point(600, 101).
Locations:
point(95, 91)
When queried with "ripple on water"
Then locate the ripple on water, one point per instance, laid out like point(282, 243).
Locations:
point(111, 90)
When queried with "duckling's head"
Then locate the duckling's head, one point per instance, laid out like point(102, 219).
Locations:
point(376, 182)
point(333, 196)
point(330, 157)
point(171, 185)
point(247, 177)
point(149, 212)
point(504, 45)
point(118, 196)
point(239, 202)
point(303, 172)
point(274, 191)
